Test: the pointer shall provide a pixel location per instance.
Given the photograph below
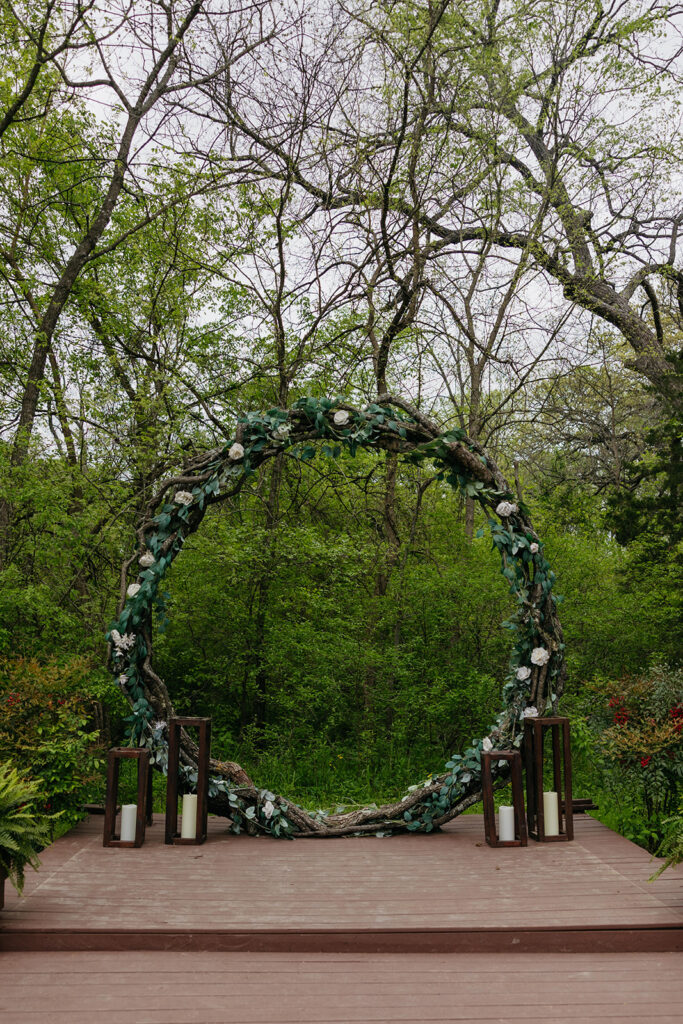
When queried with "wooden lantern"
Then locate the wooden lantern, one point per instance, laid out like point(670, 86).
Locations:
point(203, 726)
point(534, 732)
point(144, 795)
point(515, 761)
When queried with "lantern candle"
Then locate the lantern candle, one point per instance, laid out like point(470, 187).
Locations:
point(129, 814)
point(188, 827)
point(551, 819)
point(506, 824)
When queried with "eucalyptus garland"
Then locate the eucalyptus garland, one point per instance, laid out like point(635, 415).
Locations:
point(536, 668)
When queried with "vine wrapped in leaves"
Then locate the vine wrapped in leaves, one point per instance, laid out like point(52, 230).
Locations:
point(536, 667)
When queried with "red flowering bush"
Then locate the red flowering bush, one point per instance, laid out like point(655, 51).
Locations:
point(638, 724)
point(46, 731)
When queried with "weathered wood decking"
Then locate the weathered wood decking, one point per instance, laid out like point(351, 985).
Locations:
point(410, 929)
point(447, 892)
point(272, 988)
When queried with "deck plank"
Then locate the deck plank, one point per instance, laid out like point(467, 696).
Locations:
point(444, 883)
point(238, 988)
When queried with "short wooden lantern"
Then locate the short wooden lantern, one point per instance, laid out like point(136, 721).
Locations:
point(144, 796)
point(515, 760)
point(542, 818)
point(203, 726)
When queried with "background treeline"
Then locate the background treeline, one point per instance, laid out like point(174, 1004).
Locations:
point(228, 208)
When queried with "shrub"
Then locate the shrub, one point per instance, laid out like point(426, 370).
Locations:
point(46, 730)
point(637, 727)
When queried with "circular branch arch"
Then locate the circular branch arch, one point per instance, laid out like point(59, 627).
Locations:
point(536, 669)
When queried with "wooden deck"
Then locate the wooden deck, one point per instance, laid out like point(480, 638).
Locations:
point(443, 893)
point(272, 988)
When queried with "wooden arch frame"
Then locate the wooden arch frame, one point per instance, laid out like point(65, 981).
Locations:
point(536, 670)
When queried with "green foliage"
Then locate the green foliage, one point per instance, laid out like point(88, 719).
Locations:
point(46, 729)
point(23, 830)
point(671, 846)
point(650, 506)
point(628, 745)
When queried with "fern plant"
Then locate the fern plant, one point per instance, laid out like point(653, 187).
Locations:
point(23, 833)
point(672, 845)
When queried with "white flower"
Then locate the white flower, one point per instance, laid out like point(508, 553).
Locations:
point(236, 451)
point(533, 548)
point(122, 681)
point(281, 431)
point(183, 497)
point(530, 712)
point(268, 809)
point(159, 725)
point(133, 589)
point(539, 656)
point(341, 418)
point(523, 673)
point(146, 560)
point(505, 509)
point(487, 745)
point(122, 643)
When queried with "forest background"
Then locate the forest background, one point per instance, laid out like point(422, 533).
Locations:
point(208, 208)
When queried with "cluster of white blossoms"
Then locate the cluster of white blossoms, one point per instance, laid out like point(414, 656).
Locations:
point(504, 509)
point(523, 673)
point(281, 432)
point(530, 712)
point(268, 809)
point(124, 642)
point(533, 548)
point(183, 498)
point(236, 452)
point(133, 589)
point(539, 656)
point(341, 418)
point(146, 560)
point(487, 745)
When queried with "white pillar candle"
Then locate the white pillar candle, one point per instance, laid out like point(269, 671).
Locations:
point(188, 827)
point(506, 824)
point(129, 815)
point(551, 819)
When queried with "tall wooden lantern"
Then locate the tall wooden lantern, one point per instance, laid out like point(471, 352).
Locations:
point(134, 817)
point(195, 806)
point(511, 829)
point(549, 813)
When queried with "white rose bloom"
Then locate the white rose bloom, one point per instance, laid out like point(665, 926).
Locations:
point(487, 745)
point(505, 509)
point(133, 589)
point(530, 712)
point(539, 656)
point(533, 548)
point(341, 418)
point(146, 560)
point(268, 809)
point(236, 452)
point(523, 673)
point(123, 680)
point(183, 497)
point(122, 643)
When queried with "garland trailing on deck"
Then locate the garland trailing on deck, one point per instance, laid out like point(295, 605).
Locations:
point(536, 667)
